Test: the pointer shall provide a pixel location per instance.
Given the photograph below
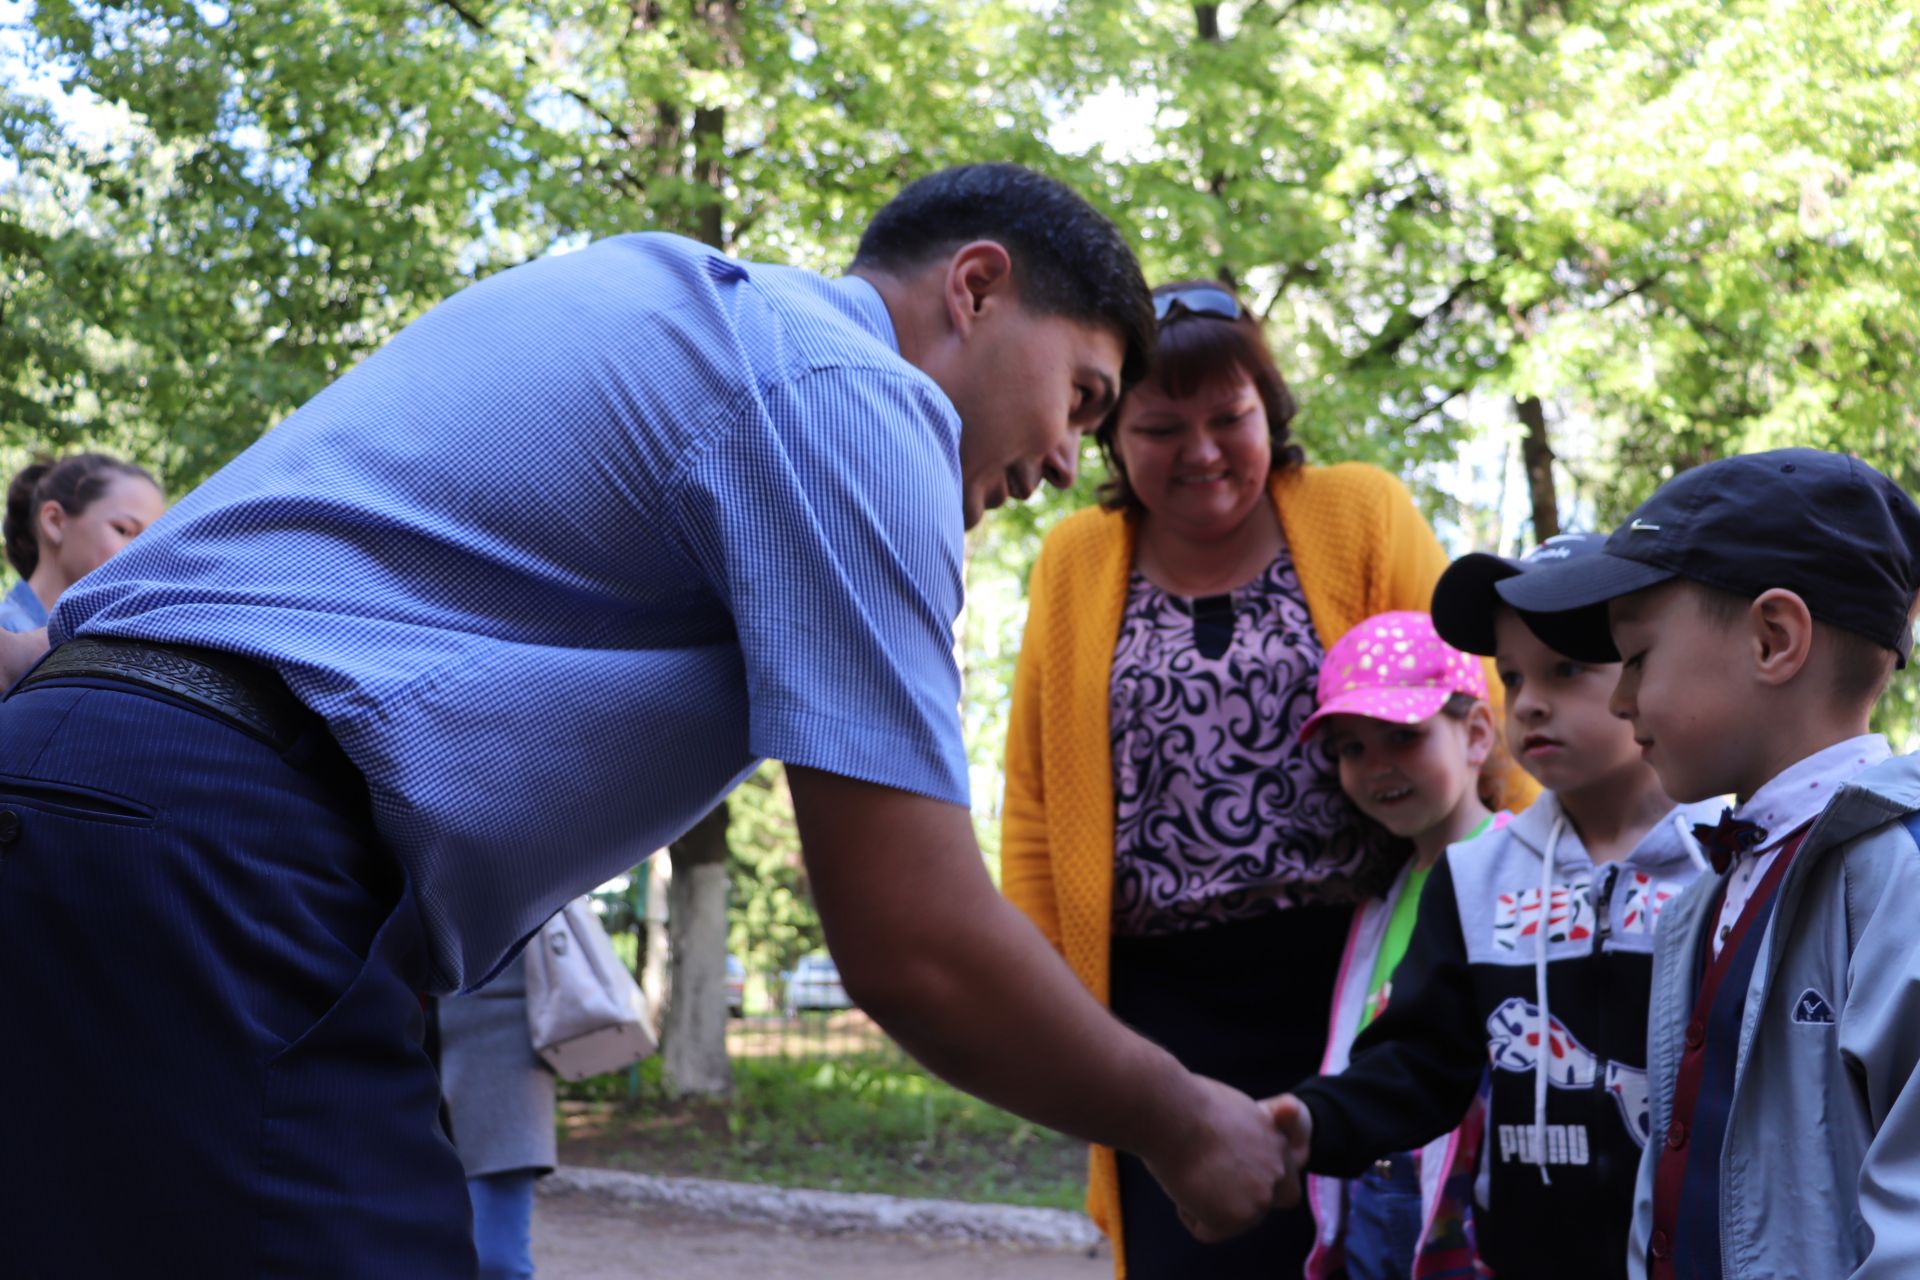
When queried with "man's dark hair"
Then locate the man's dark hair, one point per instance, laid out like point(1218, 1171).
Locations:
point(1068, 259)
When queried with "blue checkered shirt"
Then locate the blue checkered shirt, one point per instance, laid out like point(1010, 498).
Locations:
point(570, 554)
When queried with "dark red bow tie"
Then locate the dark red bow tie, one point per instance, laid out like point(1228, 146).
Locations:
point(1727, 839)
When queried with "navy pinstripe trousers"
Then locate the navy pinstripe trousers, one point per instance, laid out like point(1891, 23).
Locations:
point(209, 1037)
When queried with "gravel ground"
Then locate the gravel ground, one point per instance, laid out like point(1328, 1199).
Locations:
point(581, 1237)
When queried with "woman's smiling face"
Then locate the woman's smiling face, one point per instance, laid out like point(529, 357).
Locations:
point(1199, 461)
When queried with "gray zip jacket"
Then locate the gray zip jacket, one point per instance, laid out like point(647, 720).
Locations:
point(1820, 1171)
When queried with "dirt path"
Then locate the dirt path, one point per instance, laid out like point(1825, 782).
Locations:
point(581, 1238)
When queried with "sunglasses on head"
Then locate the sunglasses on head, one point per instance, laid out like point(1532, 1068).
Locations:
point(1199, 300)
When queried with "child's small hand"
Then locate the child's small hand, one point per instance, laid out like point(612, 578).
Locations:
point(1295, 1124)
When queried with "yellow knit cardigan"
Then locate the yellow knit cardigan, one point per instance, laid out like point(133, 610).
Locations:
point(1360, 548)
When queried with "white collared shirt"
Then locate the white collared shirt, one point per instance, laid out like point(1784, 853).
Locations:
point(1793, 798)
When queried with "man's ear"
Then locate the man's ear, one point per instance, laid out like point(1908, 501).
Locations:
point(979, 279)
point(1780, 633)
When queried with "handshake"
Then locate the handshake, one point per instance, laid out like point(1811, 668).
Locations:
point(1241, 1160)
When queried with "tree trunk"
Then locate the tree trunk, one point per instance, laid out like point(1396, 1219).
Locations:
point(693, 1034)
point(1537, 455)
point(709, 144)
point(1206, 21)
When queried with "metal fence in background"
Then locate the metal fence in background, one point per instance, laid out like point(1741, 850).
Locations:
point(802, 1012)
point(797, 1011)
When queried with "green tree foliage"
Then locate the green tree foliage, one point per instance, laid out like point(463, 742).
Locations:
point(1665, 229)
point(292, 182)
point(1686, 224)
point(771, 922)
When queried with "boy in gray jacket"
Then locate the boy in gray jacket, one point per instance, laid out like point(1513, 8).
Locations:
point(1758, 605)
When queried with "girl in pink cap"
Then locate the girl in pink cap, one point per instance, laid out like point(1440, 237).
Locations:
point(1406, 719)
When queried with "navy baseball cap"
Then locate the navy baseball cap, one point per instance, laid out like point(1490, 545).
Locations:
point(1465, 598)
point(1828, 527)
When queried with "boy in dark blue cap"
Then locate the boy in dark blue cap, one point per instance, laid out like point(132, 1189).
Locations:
point(1758, 606)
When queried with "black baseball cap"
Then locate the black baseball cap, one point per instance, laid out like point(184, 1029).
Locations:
point(1828, 527)
point(1464, 600)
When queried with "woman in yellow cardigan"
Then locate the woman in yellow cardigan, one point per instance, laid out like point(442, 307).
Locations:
point(1194, 864)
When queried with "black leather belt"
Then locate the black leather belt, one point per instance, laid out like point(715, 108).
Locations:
point(237, 690)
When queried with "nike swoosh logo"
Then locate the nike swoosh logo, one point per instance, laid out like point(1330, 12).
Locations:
point(1641, 526)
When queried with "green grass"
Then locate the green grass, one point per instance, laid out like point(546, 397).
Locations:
point(849, 1124)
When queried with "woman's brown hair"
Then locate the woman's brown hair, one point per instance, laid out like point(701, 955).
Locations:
point(75, 482)
point(1194, 350)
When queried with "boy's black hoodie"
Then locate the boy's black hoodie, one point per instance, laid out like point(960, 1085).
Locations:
point(1466, 1006)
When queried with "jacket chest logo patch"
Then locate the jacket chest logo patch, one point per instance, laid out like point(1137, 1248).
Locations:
point(1517, 917)
point(1812, 1009)
point(1644, 900)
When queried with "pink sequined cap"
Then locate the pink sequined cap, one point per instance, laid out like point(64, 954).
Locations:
point(1393, 667)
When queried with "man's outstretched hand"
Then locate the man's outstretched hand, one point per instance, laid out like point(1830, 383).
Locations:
point(1229, 1169)
point(966, 983)
point(1295, 1125)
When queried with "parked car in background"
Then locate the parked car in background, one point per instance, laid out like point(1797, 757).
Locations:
point(814, 983)
point(736, 987)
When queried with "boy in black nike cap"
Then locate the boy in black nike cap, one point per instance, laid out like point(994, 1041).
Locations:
point(1758, 606)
